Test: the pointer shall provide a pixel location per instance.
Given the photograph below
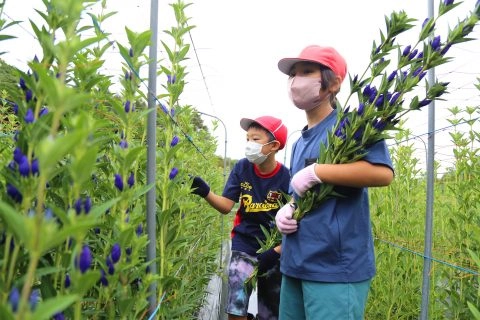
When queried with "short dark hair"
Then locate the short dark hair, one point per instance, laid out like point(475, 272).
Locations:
point(255, 125)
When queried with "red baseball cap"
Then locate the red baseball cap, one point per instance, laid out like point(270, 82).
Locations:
point(326, 56)
point(273, 125)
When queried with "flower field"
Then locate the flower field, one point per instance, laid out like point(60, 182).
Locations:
point(74, 235)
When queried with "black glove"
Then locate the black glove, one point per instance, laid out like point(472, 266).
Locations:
point(267, 260)
point(200, 187)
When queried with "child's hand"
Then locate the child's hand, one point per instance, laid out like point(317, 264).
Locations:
point(284, 221)
point(267, 260)
point(305, 179)
point(200, 187)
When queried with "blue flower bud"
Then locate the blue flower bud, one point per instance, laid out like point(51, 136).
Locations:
point(406, 51)
point(34, 298)
point(87, 204)
point(85, 259)
point(67, 281)
point(412, 54)
point(119, 182)
point(43, 111)
point(127, 106)
point(78, 206)
point(448, 2)
point(436, 43)
point(392, 76)
point(116, 253)
point(13, 192)
point(361, 109)
point(111, 267)
point(103, 278)
point(123, 144)
point(22, 84)
point(394, 98)
point(17, 155)
point(174, 141)
point(24, 167)
point(171, 79)
point(139, 230)
point(15, 108)
point(131, 180)
point(34, 167)
point(445, 49)
point(130, 52)
point(28, 95)
point(29, 116)
point(424, 102)
point(58, 316)
point(164, 109)
point(173, 173)
point(14, 299)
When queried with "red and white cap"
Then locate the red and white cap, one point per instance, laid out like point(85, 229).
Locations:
point(273, 125)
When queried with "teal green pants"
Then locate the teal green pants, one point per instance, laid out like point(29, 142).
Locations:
point(310, 300)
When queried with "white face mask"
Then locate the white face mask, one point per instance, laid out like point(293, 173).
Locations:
point(253, 152)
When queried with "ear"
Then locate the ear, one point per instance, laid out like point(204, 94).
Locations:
point(276, 145)
point(335, 86)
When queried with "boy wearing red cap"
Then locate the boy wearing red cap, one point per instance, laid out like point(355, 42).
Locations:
point(259, 183)
point(327, 257)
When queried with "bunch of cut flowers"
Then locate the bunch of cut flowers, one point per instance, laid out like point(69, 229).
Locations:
point(383, 99)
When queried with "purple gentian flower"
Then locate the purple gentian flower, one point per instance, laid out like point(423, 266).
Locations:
point(17, 155)
point(174, 141)
point(116, 253)
point(119, 182)
point(130, 52)
point(171, 79)
point(406, 50)
point(14, 299)
point(34, 298)
point(15, 108)
point(173, 173)
point(424, 102)
point(85, 259)
point(43, 111)
point(445, 49)
point(13, 192)
point(394, 98)
point(34, 167)
point(123, 144)
point(22, 84)
point(127, 106)
point(78, 206)
point(131, 180)
point(87, 204)
point(164, 109)
point(28, 95)
point(103, 278)
point(58, 316)
point(448, 2)
point(436, 43)
point(392, 76)
point(412, 54)
point(67, 281)
point(111, 267)
point(24, 167)
point(29, 116)
point(139, 230)
point(361, 109)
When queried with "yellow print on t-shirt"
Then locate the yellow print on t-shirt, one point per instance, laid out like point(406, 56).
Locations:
point(252, 207)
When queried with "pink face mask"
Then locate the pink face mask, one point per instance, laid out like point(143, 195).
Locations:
point(305, 92)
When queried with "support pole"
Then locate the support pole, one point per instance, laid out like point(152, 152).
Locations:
point(430, 184)
point(151, 152)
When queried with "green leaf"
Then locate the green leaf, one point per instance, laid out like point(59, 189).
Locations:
point(14, 221)
point(48, 308)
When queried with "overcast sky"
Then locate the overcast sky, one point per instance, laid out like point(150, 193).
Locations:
point(238, 45)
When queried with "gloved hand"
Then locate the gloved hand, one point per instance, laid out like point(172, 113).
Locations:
point(200, 187)
point(284, 221)
point(304, 179)
point(267, 260)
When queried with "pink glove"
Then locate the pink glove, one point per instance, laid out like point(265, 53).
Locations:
point(304, 179)
point(284, 221)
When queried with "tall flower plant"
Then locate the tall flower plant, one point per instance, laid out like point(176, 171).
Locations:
point(385, 94)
